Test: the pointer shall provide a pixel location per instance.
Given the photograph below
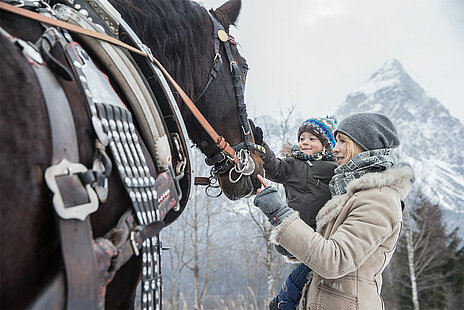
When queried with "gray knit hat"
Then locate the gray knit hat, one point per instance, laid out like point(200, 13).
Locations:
point(370, 130)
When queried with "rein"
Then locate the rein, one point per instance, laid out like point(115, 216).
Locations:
point(222, 144)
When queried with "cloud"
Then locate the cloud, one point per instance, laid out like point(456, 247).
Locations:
point(321, 9)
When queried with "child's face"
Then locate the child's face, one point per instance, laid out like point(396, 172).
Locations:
point(309, 143)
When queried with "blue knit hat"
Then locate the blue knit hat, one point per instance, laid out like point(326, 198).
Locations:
point(322, 128)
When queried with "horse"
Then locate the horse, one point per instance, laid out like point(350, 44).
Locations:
point(179, 34)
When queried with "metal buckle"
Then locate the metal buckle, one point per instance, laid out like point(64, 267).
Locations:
point(135, 245)
point(80, 212)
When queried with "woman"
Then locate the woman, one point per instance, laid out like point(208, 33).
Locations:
point(357, 230)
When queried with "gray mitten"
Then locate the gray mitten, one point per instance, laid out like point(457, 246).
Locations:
point(268, 200)
point(282, 251)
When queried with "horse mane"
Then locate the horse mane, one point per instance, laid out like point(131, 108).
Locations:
point(178, 33)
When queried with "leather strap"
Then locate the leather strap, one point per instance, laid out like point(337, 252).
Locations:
point(219, 140)
point(128, 237)
point(76, 235)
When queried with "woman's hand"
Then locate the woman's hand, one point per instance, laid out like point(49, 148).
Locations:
point(268, 200)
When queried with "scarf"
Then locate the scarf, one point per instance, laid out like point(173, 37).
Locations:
point(362, 163)
point(327, 155)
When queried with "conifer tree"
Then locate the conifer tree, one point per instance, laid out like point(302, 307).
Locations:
point(435, 260)
point(454, 271)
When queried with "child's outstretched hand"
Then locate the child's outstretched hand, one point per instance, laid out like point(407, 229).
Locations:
point(269, 201)
point(263, 181)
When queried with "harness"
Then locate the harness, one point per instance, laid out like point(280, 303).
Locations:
point(72, 184)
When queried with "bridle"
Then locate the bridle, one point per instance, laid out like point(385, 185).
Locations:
point(221, 162)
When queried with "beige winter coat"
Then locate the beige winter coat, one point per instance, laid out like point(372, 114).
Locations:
point(356, 236)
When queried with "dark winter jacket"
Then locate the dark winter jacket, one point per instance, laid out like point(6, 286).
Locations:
point(306, 186)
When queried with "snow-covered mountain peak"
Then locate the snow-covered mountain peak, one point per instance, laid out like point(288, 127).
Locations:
point(390, 76)
point(390, 71)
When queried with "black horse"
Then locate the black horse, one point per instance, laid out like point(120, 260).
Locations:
point(180, 36)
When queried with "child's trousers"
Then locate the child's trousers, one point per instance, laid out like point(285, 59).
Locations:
point(290, 292)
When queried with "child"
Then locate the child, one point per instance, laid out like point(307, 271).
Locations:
point(305, 174)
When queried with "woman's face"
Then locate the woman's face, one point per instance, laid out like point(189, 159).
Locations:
point(342, 149)
point(309, 144)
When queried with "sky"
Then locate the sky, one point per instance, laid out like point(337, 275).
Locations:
point(313, 53)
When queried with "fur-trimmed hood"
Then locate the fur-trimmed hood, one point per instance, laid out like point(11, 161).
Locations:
point(286, 150)
point(400, 179)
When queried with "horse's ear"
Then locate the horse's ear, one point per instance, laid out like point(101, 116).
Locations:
point(227, 14)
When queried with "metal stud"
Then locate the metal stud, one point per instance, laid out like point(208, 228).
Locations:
point(134, 170)
point(84, 13)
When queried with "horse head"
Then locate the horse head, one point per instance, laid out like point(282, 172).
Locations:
point(184, 37)
point(221, 98)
